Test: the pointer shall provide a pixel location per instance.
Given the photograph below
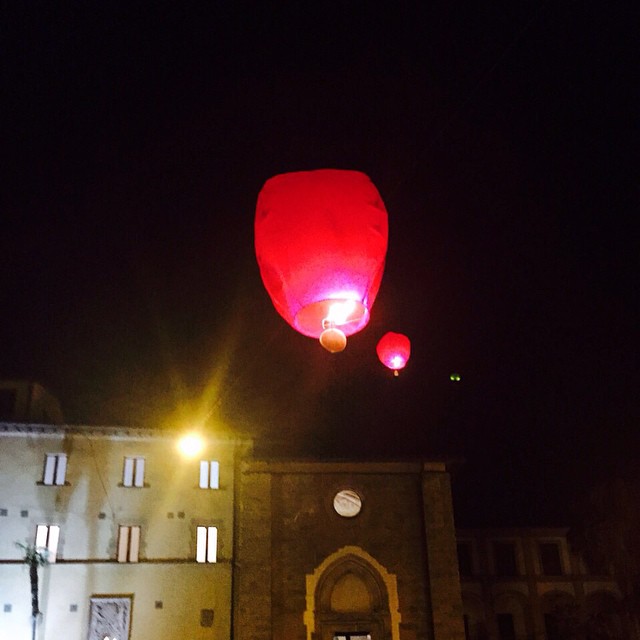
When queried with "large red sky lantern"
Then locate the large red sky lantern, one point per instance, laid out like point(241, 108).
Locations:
point(394, 350)
point(321, 242)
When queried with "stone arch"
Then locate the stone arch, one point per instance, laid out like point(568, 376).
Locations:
point(351, 586)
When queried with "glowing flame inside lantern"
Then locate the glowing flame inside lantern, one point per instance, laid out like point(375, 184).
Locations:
point(340, 312)
point(393, 351)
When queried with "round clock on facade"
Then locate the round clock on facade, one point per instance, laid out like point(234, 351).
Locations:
point(347, 503)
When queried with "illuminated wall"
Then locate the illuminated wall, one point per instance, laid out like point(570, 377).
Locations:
point(74, 479)
point(346, 550)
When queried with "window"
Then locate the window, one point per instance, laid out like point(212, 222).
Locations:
point(206, 617)
point(465, 563)
point(133, 472)
point(207, 544)
point(128, 543)
point(504, 554)
point(359, 635)
point(506, 628)
point(209, 474)
point(55, 468)
point(550, 559)
point(47, 536)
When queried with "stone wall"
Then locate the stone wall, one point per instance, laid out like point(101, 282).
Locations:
point(288, 528)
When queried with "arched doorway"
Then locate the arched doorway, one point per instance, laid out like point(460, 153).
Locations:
point(350, 596)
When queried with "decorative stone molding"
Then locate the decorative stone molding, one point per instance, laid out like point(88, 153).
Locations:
point(110, 618)
point(348, 555)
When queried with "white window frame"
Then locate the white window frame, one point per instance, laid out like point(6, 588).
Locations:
point(128, 543)
point(206, 544)
point(55, 469)
point(209, 474)
point(133, 471)
point(48, 537)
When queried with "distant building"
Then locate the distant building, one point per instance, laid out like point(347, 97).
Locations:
point(526, 584)
point(24, 401)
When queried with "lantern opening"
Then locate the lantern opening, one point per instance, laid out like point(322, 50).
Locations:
point(343, 312)
point(348, 314)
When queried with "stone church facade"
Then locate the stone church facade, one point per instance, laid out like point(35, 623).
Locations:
point(346, 550)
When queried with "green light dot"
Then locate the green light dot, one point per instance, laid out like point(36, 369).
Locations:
point(454, 377)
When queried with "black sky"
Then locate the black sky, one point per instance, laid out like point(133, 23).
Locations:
point(503, 140)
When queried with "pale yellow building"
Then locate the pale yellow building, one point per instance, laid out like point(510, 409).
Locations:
point(140, 536)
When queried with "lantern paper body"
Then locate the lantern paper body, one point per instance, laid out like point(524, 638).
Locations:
point(394, 350)
point(321, 241)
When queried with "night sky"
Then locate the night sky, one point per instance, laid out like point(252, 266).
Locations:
point(503, 140)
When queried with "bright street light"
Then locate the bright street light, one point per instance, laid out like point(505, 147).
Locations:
point(190, 445)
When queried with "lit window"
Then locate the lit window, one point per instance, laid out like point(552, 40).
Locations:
point(209, 474)
point(133, 472)
point(47, 536)
point(55, 468)
point(128, 543)
point(207, 544)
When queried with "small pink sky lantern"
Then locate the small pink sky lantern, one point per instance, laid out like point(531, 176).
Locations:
point(321, 242)
point(394, 350)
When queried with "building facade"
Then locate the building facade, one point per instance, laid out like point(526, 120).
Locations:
point(347, 551)
point(26, 401)
point(527, 584)
point(145, 543)
point(139, 537)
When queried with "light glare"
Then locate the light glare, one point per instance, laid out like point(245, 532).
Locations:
point(191, 445)
point(339, 312)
